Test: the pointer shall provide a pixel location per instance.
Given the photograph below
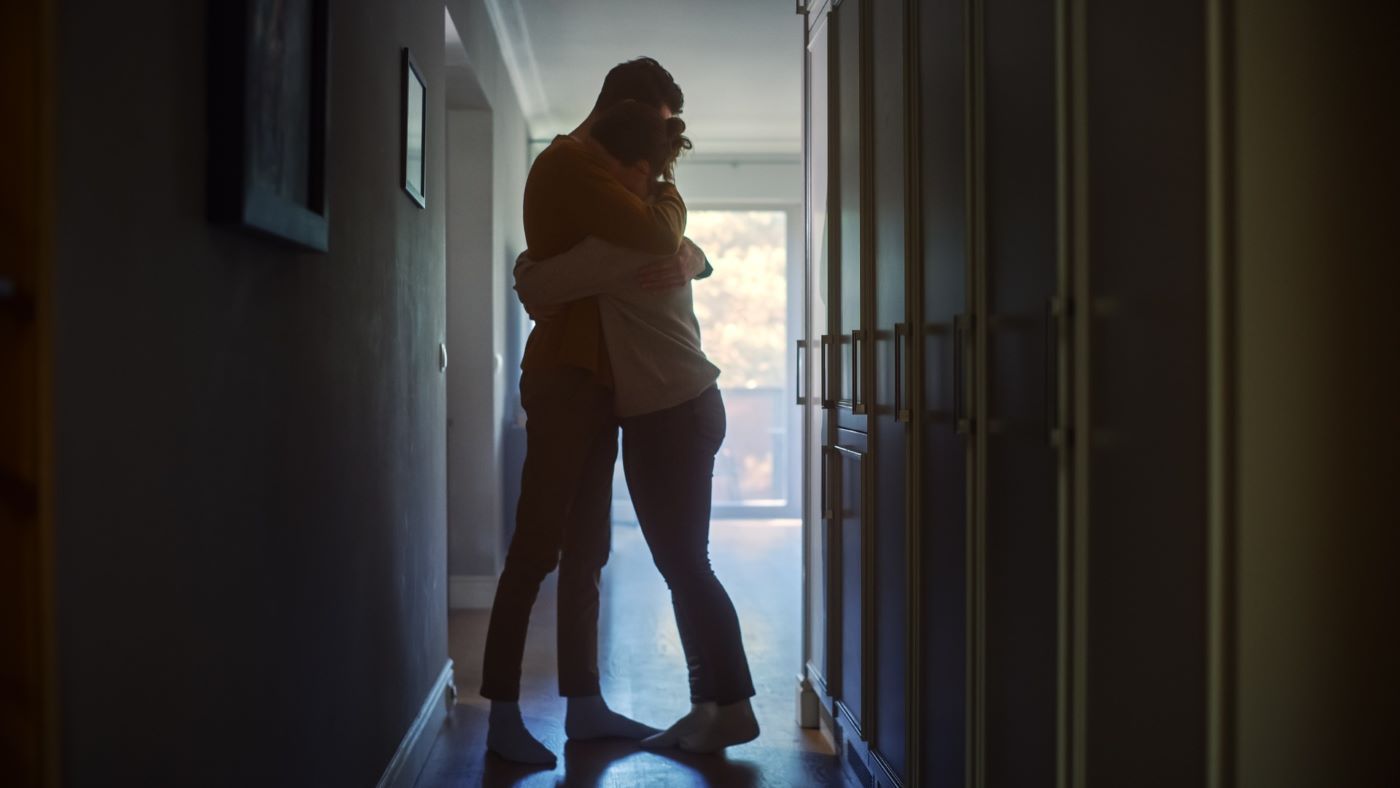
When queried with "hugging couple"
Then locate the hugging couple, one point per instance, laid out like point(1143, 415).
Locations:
point(615, 345)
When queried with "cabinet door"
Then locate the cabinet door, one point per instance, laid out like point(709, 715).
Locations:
point(941, 588)
point(889, 412)
point(813, 366)
point(1141, 314)
point(1018, 463)
point(850, 345)
point(850, 565)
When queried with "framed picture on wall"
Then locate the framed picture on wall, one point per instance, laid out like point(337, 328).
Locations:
point(267, 118)
point(414, 127)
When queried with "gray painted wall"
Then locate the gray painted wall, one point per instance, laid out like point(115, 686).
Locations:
point(250, 449)
point(474, 380)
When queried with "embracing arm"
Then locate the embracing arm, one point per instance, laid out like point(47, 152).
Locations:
point(593, 267)
point(607, 210)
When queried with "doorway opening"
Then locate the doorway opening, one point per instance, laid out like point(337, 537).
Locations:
point(748, 313)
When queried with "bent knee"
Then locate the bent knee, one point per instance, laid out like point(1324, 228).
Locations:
point(530, 565)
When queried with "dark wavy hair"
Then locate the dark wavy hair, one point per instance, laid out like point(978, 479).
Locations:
point(632, 131)
point(641, 80)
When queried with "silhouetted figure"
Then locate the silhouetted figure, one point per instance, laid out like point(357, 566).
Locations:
point(563, 518)
point(673, 421)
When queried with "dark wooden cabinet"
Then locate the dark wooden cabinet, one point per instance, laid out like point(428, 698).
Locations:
point(1141, 307)
point(1033, 229)
point(889, 412)
point(942, 343)
point(852, 577)
point(1017, 475)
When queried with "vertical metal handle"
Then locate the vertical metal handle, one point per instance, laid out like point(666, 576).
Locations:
point(825, 351)
point(797, 367)
point(828, 499)
point(902, 411)
point(858, 404)
point(960, 420)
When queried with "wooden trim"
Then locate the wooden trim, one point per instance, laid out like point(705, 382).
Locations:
point(1223, 407)
point(865, 724)
point(913, 315)
point(865, 375)
point(850, 718)
point(976, 444)
point(1074, 275)
point(808, 702)
point(818, 679)
point(1063, 654)
point(808, 330)
point(408, 760)
point(870, 648)
point(833, 221)
point(834, 613)
point(471, 592)
point(888, 776)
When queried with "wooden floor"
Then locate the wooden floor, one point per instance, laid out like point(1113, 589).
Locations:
point(644, 676)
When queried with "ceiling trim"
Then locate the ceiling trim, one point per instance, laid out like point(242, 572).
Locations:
point(519, 55)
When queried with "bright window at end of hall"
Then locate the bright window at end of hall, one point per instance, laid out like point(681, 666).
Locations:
point(743, 310)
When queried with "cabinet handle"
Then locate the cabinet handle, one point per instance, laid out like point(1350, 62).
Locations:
point(797, 366)
point(961, 421)
point(828, 508)
point(901, 383)
point(825, 351)
point(858, 404)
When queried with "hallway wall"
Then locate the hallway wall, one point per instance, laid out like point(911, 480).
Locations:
point(484, 460)
point(474, 391)
point(250, 457)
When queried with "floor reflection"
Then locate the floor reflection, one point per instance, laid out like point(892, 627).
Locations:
point(643, 675)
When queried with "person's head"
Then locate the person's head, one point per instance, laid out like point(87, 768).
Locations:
point(642, 80)
point(643, 144)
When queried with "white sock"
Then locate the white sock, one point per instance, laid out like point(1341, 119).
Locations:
point(729, 725)
point(590, 718)
point(699, 715)
point(507, 737)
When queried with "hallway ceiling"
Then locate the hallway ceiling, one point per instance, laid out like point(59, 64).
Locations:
point(738, 61)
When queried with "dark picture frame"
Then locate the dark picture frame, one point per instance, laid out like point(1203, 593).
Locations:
point(413, 126)
point(269, 64)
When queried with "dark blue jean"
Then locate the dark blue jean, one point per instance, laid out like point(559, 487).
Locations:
point(669, 458)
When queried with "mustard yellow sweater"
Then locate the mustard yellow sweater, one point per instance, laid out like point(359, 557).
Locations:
point(569, 196)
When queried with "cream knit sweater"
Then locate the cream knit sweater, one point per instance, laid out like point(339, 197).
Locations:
point(652, 336)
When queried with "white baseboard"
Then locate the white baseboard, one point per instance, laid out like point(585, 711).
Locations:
point(471, 592)
point(408, 760)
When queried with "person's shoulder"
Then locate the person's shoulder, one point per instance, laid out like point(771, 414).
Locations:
point(567, 154)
